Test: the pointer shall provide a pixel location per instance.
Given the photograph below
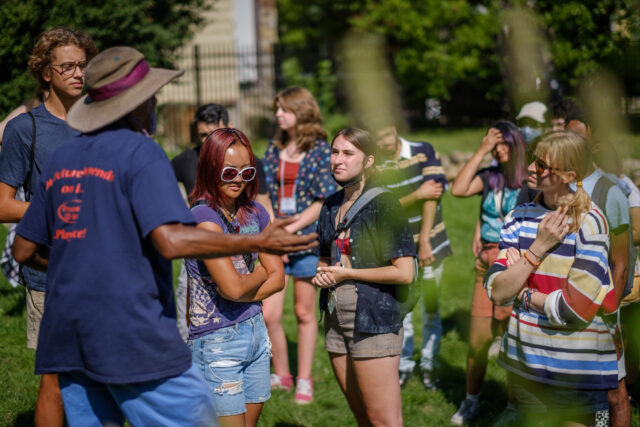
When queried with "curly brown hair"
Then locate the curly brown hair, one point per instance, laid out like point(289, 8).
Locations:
point(300, 102)
point(42, 54)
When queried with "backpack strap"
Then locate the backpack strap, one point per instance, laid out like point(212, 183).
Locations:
point(357, 206)
point(32, 157)
point(600, 191)
point(362, 201)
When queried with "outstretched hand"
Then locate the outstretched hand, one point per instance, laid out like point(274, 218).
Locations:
point(277, 240)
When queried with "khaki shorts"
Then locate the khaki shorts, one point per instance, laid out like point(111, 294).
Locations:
point(481, 305)
point(341, 338)
point(35, 308)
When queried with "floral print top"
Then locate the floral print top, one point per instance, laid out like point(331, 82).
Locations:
point(314, 178)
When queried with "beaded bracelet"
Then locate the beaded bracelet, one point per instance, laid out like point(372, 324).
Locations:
point(526, 299)
point(535, 264)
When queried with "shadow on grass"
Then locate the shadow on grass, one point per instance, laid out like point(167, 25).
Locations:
point(292, 352)
point(15, 300)
point(24, 419)
point(493, 394)
point(284, 424)
point(458, 321)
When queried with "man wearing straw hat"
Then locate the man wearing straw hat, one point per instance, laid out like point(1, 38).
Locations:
point(105, 219)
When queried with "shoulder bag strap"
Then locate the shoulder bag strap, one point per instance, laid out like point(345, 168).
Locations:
point(600, 191)
point(357, 206)
point(248, 259)
point(32, 156)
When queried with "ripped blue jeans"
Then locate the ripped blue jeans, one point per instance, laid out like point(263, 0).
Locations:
point(235, 364)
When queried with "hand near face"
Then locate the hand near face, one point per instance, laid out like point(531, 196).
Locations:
point(493, 138)
point(552, 229)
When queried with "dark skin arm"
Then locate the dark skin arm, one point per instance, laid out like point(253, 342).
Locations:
point(181, 241)
point(30, 254)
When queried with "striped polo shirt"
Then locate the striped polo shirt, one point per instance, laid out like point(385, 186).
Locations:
point(572, 343)
point(418, 162)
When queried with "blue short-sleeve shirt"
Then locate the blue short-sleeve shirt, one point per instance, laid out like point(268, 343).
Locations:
point(51, 133)
point(109, 308)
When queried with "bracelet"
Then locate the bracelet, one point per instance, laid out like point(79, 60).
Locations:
point(535, 255)
point(535, 264)
point(525, 301)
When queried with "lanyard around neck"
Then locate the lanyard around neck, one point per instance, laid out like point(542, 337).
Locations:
point(295, 183)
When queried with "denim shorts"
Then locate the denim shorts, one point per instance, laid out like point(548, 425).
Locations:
point(301, 265)
point(182, 400)
point(235, 364)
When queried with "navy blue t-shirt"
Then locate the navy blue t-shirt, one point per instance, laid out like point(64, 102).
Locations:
point(51, 133)
point(109, 307)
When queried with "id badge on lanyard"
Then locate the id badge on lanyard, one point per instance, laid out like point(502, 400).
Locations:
point(287, 204)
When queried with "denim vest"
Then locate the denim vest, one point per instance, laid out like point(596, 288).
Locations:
point(379, 233)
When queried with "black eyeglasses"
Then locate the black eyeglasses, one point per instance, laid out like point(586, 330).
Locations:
point(68, 68)
point(541, 166)
point(230, 173)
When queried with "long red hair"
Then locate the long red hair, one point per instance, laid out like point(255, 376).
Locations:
point(210, 165)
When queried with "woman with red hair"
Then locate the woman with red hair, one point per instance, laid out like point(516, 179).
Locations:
point(227, 334)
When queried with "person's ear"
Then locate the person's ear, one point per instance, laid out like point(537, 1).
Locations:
point(369, 162)
point(46, 74)
point(568, 177)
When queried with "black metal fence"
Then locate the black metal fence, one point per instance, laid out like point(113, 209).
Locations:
point(240, 78)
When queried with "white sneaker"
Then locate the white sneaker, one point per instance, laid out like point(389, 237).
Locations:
point(304, 391)
point(468, 410)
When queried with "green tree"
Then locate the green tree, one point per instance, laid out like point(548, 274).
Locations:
point(155, 27)
point(454, 50)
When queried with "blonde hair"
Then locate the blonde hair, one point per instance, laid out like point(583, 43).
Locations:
point(300, 102)
point(568, 152)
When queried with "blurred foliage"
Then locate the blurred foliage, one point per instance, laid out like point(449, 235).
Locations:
point(155, 27)
point(455, 50)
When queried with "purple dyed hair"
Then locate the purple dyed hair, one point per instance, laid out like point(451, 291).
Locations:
point(514, 172)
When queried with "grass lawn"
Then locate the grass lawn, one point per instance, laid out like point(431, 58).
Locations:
point(18, 385)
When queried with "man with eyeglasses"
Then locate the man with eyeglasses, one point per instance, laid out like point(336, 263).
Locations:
point(57, 62)
point(207, 118)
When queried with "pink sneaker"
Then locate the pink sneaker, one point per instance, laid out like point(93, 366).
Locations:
point(281, 383)
point(304, 391)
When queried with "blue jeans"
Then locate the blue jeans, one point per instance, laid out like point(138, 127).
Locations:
point(181, 302)
point(431, 328)
point(235, 364)
point(301, 266)
point(182, 400)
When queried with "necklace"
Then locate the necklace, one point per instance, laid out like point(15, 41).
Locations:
point(293, 153)
point(231, 215)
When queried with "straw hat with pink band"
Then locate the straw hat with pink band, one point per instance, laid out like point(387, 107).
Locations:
point(118, 80)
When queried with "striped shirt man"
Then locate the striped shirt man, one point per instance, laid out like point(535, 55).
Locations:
point(418, 162)
point(571, 344)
